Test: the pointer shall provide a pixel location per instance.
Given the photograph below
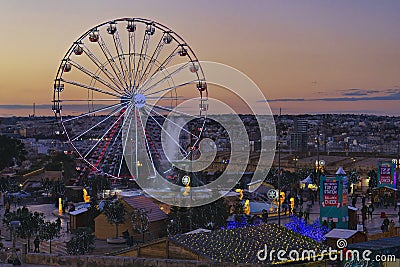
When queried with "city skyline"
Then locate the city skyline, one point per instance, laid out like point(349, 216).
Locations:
point(306, 57)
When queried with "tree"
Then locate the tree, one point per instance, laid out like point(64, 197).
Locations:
point(210, 216)
point(4, 184)
point(353, 179)
point(46, 185)
point(115, 213)
point(30, 222)
point(177, 220)
point(81, 243)
point(12, 151)
point(96, 184)
point(140, 221)
point(315, 231)
point(57, 188)
point(373, 179)
point(49, 230)
point(62, 162)
point(92, 213)
point(238, 208)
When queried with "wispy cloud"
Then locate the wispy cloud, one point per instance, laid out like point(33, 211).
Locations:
point(18, 106)
point(351, 95)
point(358, 92)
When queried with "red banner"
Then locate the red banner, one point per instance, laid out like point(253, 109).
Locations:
point(331, 196)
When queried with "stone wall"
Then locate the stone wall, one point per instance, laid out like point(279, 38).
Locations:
point(110, 261)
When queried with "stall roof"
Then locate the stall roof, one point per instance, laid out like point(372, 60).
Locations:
point(379, 244)
point(341, 233)
point(79, 211)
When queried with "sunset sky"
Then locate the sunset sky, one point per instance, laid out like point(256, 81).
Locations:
point(306, 56)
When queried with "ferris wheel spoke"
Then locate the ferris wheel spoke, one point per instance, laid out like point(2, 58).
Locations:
point(105, 133)
point(169, 76)
point(160, 68)
point(94, 76)
point(147, 143)
point(89, 100)
point(153, 59)
point(132, 108)
point(93, 112)
point(102, 67)
point(130, 46)
point(106, 51)
point(97, 124)
point(175, 111)
point(121, 56)
point(90, 87)
point(167, 60)
point(136, 144)
point(171, 88)
point(142, 59)
point(132, 60)
point(174, 123)
point(172, 138)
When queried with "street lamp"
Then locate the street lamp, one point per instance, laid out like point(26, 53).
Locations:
point(279, 180)
point(295, 160)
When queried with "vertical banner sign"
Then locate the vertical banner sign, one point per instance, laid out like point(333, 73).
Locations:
point(386, 174)
point(331, 193)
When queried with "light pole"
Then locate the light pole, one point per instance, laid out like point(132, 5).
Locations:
point(295, 160)
point(398, 161)
point(279, 166)
point(317, 163)
point(279, 181)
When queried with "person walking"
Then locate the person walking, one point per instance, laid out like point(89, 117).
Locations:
point(7, 207)
point(386, 224)
point(370, 211)
point(300, 214)
point(307, 214)
point(265, 216)
point(364, 214)
point(36, 242)
point(398, 214)
point(391, 228)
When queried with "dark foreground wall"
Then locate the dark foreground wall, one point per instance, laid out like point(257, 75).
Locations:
point(114, 261)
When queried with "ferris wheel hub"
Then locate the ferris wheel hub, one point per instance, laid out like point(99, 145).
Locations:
point(139, 100)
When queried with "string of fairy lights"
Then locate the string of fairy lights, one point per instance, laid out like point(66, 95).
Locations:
point(240, 245)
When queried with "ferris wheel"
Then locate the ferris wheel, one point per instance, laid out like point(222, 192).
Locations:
point(121, 86)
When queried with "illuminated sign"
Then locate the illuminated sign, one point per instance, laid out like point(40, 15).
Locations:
point(330, 193)
point(386, 174)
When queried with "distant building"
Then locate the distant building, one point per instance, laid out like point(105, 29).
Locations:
point(299, 137)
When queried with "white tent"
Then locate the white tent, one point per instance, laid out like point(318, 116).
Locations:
point(307, 183)
point(340, 171)
point(308, 180)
